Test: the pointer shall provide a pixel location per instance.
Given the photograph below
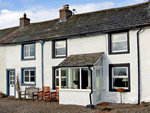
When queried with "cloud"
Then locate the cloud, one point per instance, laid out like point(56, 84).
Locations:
point(10, 18)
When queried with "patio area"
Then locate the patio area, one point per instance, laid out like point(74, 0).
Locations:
point(25, 106)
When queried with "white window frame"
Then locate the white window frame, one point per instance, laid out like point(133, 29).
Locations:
point(120, 77)
point(56, 77)
point(26, 57)
point(120, 41)
point(69, 77)
point(64, 46)
point(29, 75)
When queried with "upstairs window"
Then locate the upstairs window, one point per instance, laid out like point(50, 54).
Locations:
point(59, 48)
point(28, 51)
point(119, 43)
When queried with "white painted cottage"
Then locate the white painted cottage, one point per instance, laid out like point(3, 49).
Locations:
point(111, 46)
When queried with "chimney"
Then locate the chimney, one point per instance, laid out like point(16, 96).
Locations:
point(65, 13)
point(24, 20)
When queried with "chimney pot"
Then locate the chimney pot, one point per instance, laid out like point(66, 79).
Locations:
point(24, 15)
point(24, 20)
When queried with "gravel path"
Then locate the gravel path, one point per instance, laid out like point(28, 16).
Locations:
point(27, 106)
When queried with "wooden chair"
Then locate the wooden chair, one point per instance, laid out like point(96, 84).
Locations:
point(56, 95)
point(45, 94)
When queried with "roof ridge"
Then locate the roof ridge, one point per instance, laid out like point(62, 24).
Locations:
point(117, 8)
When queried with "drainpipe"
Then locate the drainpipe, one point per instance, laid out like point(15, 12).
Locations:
point(90, 106)
point(138, 56)
point(42, 43)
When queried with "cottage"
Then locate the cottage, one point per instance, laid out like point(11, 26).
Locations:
point(88, 56)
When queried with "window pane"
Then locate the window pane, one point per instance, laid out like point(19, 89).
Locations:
point(32, 53)
point(119, 46)
point(32, 73)
point(57, 81)
point(86, 79)
point(11, 78)
point(61, 51)
point(32, 79)
point(97, 79)
point(75, 78)
point(60, 44)
point(26, 79)
point(32, 47)
point(57, 73)
point(119, 36)
point(26, 50)
point(119, 82)
point(100, 62)
point(64, 79)
point(11, 82)
point(26, 73)
point(120, 71)
point(27, 53)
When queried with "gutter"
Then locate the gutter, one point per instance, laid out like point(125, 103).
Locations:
point(90, 106)
point(42, 43)
point(138, 56)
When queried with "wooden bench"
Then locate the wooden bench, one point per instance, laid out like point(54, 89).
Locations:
point(30, 92)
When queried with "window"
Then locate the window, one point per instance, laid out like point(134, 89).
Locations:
point(118, 43)
point(28, 52)
point(64, 79)
point(28, 76)
point(79, 78)
point(59, 48)
point(119, 76)
point(57, 77)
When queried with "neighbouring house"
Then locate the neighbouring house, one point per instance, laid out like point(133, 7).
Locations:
point(111, 46)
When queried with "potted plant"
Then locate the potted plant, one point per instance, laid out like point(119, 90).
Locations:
point(120, 90)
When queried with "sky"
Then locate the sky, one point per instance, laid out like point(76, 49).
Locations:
point(43, 10)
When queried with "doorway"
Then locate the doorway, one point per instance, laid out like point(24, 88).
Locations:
point(10, 82)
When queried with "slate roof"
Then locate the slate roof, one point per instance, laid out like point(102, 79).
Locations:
point(99, 21)
point(80, 60)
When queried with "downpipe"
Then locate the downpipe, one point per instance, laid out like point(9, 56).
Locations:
point(138, 56)
point(90, 95)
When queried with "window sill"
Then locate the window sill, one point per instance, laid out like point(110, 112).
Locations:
point(28, 84)
point(76, 90)
point(59, 57)
point(26, 59)
point(115, 53)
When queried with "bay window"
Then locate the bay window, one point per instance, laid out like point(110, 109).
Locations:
point(75, 78)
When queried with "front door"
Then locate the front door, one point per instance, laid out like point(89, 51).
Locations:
point(11, 83)
point(99, 84)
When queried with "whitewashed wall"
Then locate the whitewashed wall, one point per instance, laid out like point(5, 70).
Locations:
point(2, 69)
point(145, 64)
point(95, 44)
point(13, 61)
